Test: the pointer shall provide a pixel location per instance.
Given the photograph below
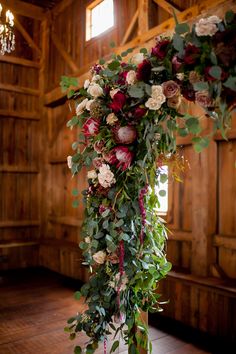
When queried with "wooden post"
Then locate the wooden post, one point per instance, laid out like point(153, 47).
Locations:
point(143, 24)
point(204, 212)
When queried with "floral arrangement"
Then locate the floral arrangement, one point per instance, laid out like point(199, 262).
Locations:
point(130, 113)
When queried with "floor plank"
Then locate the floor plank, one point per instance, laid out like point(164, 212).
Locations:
point(34, 307)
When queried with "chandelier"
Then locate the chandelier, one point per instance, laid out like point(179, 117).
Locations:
point(7, 37)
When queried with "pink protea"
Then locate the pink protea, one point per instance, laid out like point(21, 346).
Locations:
point(97, 162)
point(91, 127)
point(110, 157)
point(123, 156)
point(125, 135)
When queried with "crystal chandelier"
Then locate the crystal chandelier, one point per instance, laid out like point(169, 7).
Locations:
point(7, 37)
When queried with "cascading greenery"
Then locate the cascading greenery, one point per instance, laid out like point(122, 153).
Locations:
point(129, 114)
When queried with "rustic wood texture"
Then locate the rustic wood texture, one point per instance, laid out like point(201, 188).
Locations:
point(34, 310)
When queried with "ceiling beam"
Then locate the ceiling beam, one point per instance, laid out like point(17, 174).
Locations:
point(167, 6)
point(25, 9)
point(60, 7)
point(130, 28)
point(143, 18)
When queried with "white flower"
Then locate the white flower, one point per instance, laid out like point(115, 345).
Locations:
point(95, 90)
point(105, 176)
point(131, 77)
point(157, 91)
point(100, 257)
point(111, 118)
point(153, 104)
point(88, 104)
point(137, 58)
point(92, 174)
point(180, 76)
point(87, 239)
point(69, 161)
point(207, 26)
point(120, 282)
point(86, 84)
point(113, 92)
point(81, 107)
point(96, 78)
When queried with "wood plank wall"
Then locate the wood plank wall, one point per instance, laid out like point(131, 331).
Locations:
point(20, 152)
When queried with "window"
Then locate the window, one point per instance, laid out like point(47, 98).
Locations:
point(162, 191)
point(99, 18)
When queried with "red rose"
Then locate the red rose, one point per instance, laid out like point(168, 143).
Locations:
point(176, 63)
point(118, 103)
point(191, 54)
point(160, 50)
point(124, 157)
point(91, 127)
point(125, 135)
point(122, 78)
point(139, 112)
point(144, 71)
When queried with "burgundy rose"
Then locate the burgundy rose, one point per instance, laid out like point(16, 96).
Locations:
point(139, 112)
point(124, 157)
point(96, 68)
point(125, 135)
point(160, 50)
point(102, 208)
point(191, 54)
point(188, 92)
point(170, 88)
point(176, 63)
point(122, 78)
point(91, 127)
point(118, 103)
point(144, 71)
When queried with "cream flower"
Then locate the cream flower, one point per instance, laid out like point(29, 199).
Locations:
point(88, 104)
point(137, 58)
point(87, 239)
point(100, 257)
point(95, 90)
point(113, 92)
point(111, 119)
point(153, 104)
point(131, 77)
point(96, 78)
point(86, 84)
point(180, 76)
point(69, 161)
point(157, 91)
point(207, 26)
point(81, 107)
point(105, 176)
point(92, 174)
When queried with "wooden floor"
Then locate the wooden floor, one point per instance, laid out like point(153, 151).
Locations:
point(34, 307)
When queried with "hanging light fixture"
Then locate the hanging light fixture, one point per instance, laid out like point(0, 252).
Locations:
point(7, 37)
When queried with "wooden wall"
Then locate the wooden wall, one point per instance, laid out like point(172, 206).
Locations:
point(36, 185)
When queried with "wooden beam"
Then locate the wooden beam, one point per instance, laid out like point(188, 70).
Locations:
point(225, 241)
point(167, 6)
point(130, 28)
point(24, 9)
point(65, 220)
point(18, 169)
point(179, 235)
point(27, 37)
point(19, 115)
point(18, 244)
point(143, 18)
point(63, 52)
point(60, 7)
point(19, 61)
point(19, 89)
point(18, 223)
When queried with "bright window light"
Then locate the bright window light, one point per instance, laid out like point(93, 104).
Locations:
point(162, 191)
point(99, 18)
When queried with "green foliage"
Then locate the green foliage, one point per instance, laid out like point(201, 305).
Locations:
point(67, 82)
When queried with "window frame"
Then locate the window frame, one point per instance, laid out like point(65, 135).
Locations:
point(88, 19)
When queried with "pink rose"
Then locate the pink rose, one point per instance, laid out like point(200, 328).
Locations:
point(91, 127)
point(124, 157)
point(125, 135)
point(113, 258)
point(170, 88)
point(203, 98)
point(97, 162)
point(176, 63)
